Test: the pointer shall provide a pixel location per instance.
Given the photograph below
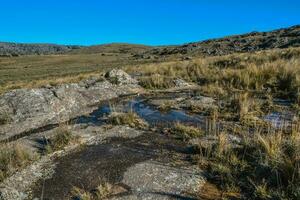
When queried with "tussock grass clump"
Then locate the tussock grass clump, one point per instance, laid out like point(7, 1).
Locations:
point(80, 194)
point(62, 138)
point(243, 105)
point(186, 132)
point(14, 157)
point(213, 90)
point(156, 81)
point(246, 109)
point(4, 118)
point(167, 105)
point(103, 191)
point(261, 167)
point(128, 118)
point(245, 71)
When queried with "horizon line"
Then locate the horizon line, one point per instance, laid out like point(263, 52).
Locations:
point(150, 45)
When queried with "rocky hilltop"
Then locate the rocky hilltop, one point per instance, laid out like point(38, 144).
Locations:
point(255, 41)
point(17, 49)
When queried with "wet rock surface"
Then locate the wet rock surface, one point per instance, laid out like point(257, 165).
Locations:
point(17, 186)
point(139, 164)
point(185, 101)
point(136, 163)
point(148, 163)
point(26, 109)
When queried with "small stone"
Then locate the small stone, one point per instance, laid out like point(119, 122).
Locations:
point(181, 83)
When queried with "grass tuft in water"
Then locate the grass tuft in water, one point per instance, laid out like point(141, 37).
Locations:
point(127, 118)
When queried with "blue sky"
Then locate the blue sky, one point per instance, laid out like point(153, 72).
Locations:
point(153, 22)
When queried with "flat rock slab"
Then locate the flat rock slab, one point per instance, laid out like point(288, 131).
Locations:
point(154, 180)
point(23, 110)
point(146, 164)
point(17, 186)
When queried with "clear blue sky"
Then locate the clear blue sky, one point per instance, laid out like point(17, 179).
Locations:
point(153, 22)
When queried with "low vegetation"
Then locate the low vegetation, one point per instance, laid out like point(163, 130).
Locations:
point(275, 71)
point(167, 105)
point(103, 191)
point(156, 81)
point(62, 138)
point(260, 167)
point(4, 118)
point(37, 70)
point(186, 132)
point(127, 118)
point(261, 164)
point(13, 158)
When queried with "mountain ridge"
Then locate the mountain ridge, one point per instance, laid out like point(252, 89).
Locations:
point(249, 42)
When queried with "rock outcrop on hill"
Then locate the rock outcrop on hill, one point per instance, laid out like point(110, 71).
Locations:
point(255, 41)
point(8, 49)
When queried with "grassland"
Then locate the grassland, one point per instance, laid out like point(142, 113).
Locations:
point(34, 71)
point(263, 165)
point(275, 71)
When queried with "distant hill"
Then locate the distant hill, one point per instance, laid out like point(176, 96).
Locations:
point(255, 41)
point(282, 38)
point(17, 49)
point(113, 48)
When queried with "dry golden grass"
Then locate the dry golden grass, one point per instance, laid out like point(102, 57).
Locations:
point(186, 132)
point(14, 157)
point(62, 138)
point(275, 70)
point(261, 167)
point(49, 81)
point(127, 118)
point(103, 191)
point(35, 71)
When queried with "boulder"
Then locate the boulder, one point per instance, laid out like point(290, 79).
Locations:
point(119, 77)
